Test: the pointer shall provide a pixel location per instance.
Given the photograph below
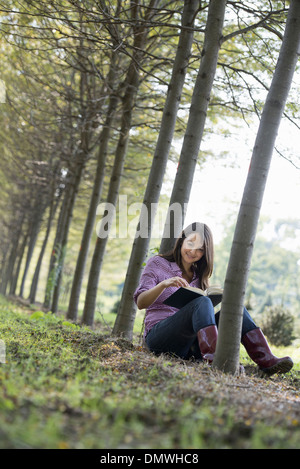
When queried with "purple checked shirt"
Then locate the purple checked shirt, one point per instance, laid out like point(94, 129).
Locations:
point(158, 269)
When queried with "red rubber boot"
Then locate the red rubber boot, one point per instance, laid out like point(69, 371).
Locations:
point(207, 340)
point(259, 351)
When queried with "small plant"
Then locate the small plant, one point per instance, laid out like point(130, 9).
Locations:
point(278, 325)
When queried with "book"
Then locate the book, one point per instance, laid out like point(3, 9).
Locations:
point(185, 295)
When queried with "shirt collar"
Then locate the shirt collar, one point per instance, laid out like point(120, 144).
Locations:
point(176, 269)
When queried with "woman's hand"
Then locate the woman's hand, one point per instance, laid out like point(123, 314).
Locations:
point(175, 282)
point(146, 298)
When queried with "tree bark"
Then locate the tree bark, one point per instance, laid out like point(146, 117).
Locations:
point(20, 253)
point(196, 122)
point(228, 345)
point(52, 211)
point(90, 221)
point(132, 83)
point(7, 273)
point(34, 231)
point(55, 253)
point(68, 215)
point(127, 310)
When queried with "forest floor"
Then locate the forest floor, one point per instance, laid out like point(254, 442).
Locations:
point(65, 386)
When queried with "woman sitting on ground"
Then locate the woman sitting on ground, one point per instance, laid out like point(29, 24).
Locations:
point(192, 331)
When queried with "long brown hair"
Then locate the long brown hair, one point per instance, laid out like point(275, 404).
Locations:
point(203, 267)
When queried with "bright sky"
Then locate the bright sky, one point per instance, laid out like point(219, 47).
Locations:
point(219, 184)
point(217, 191)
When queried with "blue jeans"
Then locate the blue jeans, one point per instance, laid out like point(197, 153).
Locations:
point(177, 334)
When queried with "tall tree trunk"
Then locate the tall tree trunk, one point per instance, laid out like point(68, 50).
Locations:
point(196, 122)
point(34, 282)
point(228, 346)
point(132, 83)
point(66, 227)
point(35, 228)
point(86, 88)
point(55, 253)
point(90, 221)
point(127, 310)
point(20, 253)
point(21, 225)
point(113, 192)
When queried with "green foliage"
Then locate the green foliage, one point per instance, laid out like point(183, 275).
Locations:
point(273, 277)
point(278, 325)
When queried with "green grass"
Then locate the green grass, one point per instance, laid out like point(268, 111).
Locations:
point(65, 386)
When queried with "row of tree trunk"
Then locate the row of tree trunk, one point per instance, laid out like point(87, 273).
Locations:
point(122, 94)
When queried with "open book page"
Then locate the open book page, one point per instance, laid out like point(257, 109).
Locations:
point(212, 290)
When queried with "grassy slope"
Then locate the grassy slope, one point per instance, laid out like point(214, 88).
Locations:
point(64, 386)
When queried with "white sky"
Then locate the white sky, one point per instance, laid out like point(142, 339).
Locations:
point(218, 185)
